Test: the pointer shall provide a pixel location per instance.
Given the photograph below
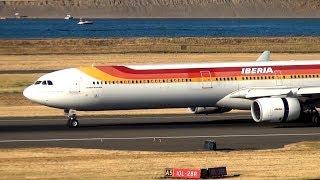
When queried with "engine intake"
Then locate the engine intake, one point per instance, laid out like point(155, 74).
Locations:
point(275, 109)
point(208, 110)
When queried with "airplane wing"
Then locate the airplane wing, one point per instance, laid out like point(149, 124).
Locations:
point(242, 98)
point(265, 56)
point(254, 93)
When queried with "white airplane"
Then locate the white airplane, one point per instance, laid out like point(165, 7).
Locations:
point(279, 91)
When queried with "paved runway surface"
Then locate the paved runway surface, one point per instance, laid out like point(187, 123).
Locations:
point(231, 131)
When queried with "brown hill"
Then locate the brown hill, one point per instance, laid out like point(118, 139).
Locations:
point(162, 8)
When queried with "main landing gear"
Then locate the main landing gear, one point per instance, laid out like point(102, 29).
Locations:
point(72, 118)
point(313, 115)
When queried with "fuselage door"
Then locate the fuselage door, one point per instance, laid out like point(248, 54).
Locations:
point(206, 79)
point(75, 86)
point(278, 77)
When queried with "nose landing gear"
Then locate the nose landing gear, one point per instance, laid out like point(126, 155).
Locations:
point(72, 118)
point(73, 122)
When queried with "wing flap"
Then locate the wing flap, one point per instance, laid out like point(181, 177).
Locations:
point(308, 91)
point(253, 93)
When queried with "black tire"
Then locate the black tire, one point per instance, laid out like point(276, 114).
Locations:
point(316, 120)
point(73, 123)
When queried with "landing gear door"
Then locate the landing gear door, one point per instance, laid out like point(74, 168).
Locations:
point(75, 86)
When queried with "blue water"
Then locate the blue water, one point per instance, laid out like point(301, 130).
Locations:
point(103, 28)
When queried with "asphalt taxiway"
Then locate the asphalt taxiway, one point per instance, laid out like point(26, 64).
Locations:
point(231, 131)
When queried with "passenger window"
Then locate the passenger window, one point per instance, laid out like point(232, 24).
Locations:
point(44, 82)
point(50, 83)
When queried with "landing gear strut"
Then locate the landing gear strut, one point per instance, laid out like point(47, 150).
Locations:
point(72, 118)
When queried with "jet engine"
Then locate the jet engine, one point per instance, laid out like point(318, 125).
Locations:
point(208, 110)
point(275, 109)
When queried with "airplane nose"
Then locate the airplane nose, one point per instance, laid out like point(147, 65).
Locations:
point(26, 93)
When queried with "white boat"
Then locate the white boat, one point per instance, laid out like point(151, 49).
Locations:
point(81, 22)
point(68, 16)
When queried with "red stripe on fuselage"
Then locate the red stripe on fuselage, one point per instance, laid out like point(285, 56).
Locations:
point(128, 73)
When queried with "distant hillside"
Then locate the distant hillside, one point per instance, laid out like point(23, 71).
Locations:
point(163, 8)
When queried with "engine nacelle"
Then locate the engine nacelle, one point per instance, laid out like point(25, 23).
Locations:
point(208, 110)
point(275, 109)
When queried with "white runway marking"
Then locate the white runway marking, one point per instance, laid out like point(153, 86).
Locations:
point(157, 137)
point(127, 117)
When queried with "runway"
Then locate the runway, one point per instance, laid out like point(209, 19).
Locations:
point(231, 131)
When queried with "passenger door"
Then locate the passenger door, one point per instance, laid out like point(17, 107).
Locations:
point(206, 79)
point(75, 86)
point(278, 78)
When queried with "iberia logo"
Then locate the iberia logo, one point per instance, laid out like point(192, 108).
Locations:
point(257, 70)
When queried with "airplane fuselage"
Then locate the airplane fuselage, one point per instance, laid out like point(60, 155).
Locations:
point(167, 86)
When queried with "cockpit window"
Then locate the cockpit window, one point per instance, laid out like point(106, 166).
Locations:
point(44, 82)
point(50, 83)
point(37, 82)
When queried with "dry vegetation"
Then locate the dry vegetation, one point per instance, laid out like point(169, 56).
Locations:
point(25, 108)
point(55, 62)
point(294, 161)
point(161, 45)
point(11, 83)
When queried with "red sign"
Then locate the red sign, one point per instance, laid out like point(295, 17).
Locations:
point(186, 173)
